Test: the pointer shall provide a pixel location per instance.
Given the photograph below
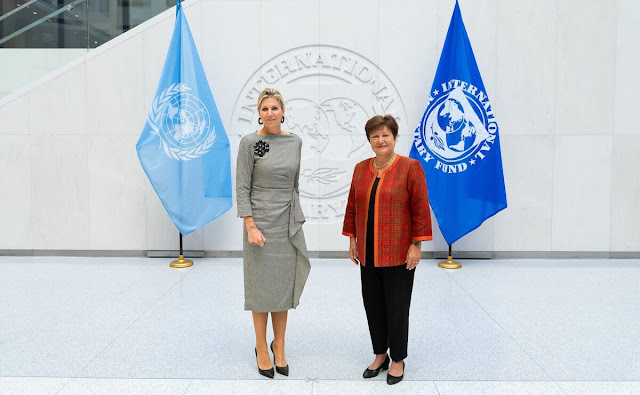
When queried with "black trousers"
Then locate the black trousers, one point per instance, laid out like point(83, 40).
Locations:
point(386, 292)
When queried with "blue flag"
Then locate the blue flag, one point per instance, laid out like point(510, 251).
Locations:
point(183, 148)
point(457, 141)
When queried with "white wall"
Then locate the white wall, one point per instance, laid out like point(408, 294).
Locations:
point(21, 66)
point(562, 76)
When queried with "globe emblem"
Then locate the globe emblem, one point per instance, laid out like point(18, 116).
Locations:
point(454, 126)
point(459, 131)
point(307, 119)
point(185, 122)
point(347, 119)
point(331, 129)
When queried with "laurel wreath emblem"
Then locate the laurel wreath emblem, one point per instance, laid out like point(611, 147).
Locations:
point(323, 175)
point(437, 140)
point(157, 107)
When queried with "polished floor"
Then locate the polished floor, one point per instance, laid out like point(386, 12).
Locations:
point(134, 325)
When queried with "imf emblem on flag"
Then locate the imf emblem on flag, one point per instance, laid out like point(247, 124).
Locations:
point(458, 127)
point(182, 123)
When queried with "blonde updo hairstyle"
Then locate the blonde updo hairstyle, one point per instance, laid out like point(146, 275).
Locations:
point(270, 92)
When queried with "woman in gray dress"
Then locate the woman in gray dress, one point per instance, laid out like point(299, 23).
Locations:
point(276, 262)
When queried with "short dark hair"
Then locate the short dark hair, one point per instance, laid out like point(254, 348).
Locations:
point(378, 122)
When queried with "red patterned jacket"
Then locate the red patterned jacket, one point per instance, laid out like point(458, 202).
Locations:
point(401, 210)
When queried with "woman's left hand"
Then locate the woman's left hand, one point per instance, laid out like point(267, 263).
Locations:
point(413, 257)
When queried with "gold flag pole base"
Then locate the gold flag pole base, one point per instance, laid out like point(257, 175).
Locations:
point(449, 264)
point(181, 262)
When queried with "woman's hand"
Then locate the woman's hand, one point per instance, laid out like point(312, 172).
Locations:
point(353, 250)
point(253, 233)
point(413, 257)
point(255, 236)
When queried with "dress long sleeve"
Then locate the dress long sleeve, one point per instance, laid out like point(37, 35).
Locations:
point(296, 179)
point(244, 175)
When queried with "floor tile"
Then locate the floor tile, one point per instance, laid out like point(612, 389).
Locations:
point(498, 387)
point(576, 318)
point(31, 385)
point(59, 313)
point(136, 325)
point(374, 386)
point(600, 387)
point(263, 386)
point(83, 386)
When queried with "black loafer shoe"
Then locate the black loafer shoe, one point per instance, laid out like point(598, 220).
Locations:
point(282, 370)
point(391, 380)
point(265, 372)
point(369, 373)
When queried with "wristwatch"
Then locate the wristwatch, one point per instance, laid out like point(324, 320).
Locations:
point(417, 243)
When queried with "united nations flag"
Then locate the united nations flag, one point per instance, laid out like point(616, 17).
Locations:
point(183, 148)
point(457, 141)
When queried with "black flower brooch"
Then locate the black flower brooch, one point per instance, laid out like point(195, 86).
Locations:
point(261, 148)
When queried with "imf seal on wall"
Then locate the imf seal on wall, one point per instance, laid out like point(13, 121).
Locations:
point(330, 93)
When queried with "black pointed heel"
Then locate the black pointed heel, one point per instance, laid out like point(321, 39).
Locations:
point(282, 370)
point(391, 380)
point(369, 373)
point(265, 372)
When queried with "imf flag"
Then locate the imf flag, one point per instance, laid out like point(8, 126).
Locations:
point(457, 141)
point(183, 147)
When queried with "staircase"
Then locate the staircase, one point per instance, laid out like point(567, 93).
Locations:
point(38, 36)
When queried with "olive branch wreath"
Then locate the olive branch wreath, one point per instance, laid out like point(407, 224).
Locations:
point(437, 140)
point(323, 175)
point(154, 119)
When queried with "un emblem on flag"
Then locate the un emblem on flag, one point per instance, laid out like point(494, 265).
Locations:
point(457, 128)
point(182, 123)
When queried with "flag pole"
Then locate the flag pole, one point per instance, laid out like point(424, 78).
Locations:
point(181, 262)
point(449, 263)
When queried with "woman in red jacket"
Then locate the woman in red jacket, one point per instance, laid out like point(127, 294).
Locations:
point(386, 219)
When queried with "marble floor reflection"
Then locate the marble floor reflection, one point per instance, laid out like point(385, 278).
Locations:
point(137, 326)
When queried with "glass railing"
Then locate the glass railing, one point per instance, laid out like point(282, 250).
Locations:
point(38, 36)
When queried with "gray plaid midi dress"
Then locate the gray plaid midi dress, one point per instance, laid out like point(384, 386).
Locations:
point(267, 189)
